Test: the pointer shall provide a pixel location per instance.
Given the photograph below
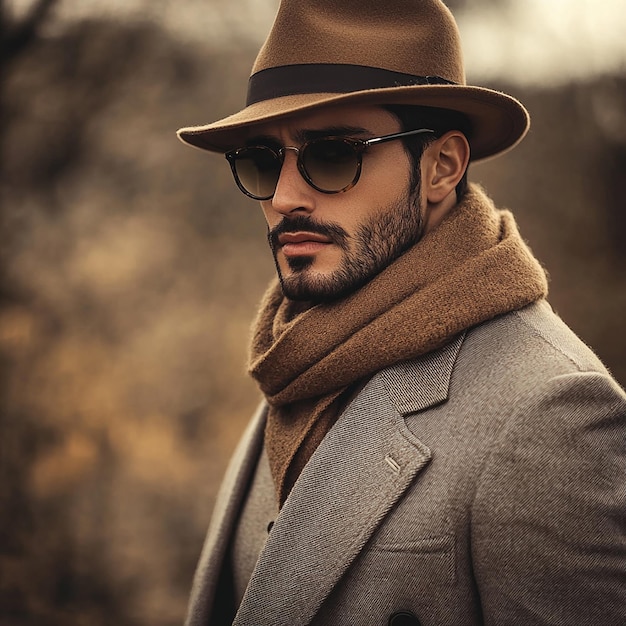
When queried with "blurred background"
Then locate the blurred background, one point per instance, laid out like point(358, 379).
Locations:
point(131, 267)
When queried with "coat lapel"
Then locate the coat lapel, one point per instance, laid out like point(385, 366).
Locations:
point(354, 478)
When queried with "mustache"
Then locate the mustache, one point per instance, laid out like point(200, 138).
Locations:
point(300, 223)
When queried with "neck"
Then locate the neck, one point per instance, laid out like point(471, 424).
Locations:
point(436, 211)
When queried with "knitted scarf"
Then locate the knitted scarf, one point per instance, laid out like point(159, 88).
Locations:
point(471, 268)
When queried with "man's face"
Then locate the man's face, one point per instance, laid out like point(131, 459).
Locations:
point(326, 246)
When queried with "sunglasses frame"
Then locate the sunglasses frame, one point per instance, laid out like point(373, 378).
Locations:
point(358, 145)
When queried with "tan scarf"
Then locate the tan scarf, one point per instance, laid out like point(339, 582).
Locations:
point(471, 268)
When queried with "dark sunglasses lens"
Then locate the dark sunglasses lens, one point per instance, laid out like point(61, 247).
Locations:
point(331, 164)
point(258, 170)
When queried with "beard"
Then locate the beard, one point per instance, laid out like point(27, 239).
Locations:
point(380, 240)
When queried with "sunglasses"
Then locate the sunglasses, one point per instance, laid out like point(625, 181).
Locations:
point(328, 164)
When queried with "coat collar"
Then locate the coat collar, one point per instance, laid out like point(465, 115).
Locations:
point(363, 466)
point(422, 382)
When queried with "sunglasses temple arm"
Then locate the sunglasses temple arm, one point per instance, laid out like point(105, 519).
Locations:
point(393, 136)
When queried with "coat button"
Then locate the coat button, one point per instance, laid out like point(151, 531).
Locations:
point(403, 618)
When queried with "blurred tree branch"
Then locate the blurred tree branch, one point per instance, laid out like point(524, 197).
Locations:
point(17, 36)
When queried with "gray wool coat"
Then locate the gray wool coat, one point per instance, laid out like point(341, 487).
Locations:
point(483, 483)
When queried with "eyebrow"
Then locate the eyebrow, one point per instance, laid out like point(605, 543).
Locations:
point(304, 135)
point(330, 131)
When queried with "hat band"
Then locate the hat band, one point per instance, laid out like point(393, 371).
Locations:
point(290, 80)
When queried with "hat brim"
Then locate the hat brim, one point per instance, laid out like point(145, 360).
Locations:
point(498, 120)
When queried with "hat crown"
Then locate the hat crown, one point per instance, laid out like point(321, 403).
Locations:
point(323, 53)
point(417, 37)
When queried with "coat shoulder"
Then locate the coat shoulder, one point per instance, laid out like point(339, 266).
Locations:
point(523, 349)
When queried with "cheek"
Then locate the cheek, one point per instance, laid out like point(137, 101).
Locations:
point(387, 177)
point(377, 196)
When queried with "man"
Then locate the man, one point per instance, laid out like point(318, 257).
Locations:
point(435, 446)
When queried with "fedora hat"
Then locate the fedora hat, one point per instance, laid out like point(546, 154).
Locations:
point(322, 53)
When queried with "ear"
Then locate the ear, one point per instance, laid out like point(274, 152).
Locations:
point(445, 162)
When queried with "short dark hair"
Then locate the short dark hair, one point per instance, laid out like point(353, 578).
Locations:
point(441, 121)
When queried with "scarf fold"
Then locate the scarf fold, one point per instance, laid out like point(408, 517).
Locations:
point(473, 267)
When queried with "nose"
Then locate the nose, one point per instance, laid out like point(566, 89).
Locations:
point(293, 194)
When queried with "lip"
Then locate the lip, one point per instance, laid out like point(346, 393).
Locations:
point(302, 237)
point(302, 243)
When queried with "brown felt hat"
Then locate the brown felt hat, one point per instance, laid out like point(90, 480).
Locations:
point(331, 52)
